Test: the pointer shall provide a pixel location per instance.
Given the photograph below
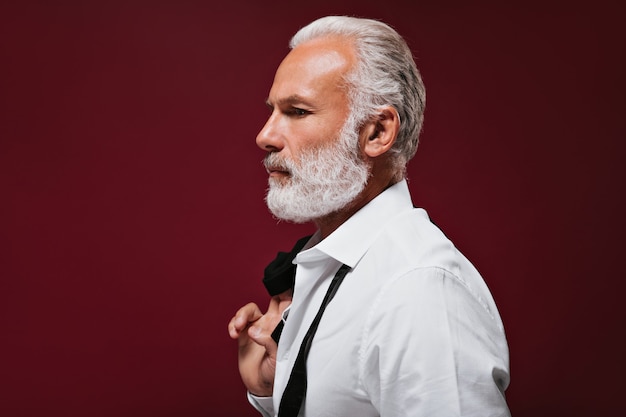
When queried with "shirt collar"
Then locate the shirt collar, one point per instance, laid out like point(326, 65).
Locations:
point(349, 242)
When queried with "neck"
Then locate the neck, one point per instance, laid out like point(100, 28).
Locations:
point(332, 221)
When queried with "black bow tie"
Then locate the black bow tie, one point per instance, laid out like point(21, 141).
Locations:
point(295, 391)
point(279, 275)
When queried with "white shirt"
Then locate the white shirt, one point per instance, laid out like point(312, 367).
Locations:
point(412, 331)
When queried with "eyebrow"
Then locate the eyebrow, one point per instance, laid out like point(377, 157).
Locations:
point(292, 99)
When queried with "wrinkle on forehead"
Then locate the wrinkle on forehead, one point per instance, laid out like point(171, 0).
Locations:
point(321, 55)
point(314, 66)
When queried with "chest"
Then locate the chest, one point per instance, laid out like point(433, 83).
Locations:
point(334, 366)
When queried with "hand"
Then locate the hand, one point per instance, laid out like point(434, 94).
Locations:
point(257, 349)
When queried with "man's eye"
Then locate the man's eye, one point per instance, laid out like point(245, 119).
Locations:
point(298, 111)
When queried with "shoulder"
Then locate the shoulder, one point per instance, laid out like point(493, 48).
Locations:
point(418, 271)
point(411, 242)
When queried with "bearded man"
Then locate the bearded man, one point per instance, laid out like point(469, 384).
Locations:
point(384, 317)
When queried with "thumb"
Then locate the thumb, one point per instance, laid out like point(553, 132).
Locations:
point(261, 333)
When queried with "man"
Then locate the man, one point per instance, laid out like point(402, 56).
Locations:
point(411, 328)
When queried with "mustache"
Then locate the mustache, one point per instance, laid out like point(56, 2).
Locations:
point(274, 161)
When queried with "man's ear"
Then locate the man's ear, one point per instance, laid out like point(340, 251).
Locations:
point(379, 134)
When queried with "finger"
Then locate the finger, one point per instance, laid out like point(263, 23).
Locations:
point(279, 303)
point(243, 318)
point(261, 333)
point(261, 338)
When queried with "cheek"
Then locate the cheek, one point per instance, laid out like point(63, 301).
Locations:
point(312, 133)
point(321, 135)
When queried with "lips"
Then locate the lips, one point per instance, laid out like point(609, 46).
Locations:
point(275, 167)
point(277, 173)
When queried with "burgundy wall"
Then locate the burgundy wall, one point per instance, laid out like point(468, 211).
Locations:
point(132, 223)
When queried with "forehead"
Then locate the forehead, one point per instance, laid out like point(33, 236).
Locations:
point(314, 70)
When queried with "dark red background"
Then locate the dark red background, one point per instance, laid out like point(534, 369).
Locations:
point(132, 222)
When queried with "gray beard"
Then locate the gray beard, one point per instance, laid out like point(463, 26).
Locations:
point(322, 182)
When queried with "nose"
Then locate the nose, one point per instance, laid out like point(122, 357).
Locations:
point(269, 138)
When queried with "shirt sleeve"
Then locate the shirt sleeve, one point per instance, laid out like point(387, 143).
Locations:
point(432, 348)
point(264, 405)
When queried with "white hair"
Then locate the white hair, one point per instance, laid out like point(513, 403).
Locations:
point(385, 75)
